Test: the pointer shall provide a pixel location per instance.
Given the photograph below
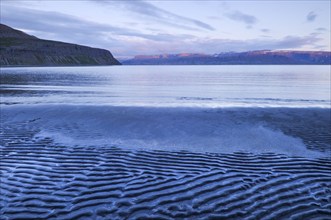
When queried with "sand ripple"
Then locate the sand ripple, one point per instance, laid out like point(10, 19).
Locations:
point(42, 181)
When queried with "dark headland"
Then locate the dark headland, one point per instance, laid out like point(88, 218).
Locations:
point(20, 49)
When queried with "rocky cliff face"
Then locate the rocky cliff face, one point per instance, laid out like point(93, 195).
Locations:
point(20, 49)
point(243, 58)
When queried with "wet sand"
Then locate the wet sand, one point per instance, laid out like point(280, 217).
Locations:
point(43, 179)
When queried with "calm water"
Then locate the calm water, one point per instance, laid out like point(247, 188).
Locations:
point(194, 86)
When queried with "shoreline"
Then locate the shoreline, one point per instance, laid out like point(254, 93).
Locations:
point(167, 106)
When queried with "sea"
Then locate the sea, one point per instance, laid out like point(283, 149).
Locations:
point(170, 86)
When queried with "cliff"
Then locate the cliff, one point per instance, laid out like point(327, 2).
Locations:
point(20, 49)
point(263, 57)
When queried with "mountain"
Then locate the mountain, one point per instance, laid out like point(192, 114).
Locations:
point(261, 57)
point(20, 49)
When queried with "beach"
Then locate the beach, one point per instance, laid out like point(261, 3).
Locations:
point(105, 162)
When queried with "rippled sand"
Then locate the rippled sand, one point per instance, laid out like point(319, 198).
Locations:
point(41, 179)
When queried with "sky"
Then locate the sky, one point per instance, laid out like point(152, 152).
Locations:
point(141, 27)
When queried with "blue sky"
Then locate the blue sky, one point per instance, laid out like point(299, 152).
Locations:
point(129, 28)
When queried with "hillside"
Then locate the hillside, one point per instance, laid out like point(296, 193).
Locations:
point(264, 57)
point(20, 49)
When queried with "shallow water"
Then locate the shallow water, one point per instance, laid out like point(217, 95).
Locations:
point(291, 131)
point(169, 86)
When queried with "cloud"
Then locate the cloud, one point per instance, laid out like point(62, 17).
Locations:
point(53, 22)
point(265, 30)
point(154, 13)
point(214, 17)
point(241, 17)
point(210, 46)
point(62, 26)
point(321, 29)
point(288, 42)
point(129, 42)
point(296, 42)
point(311, 16)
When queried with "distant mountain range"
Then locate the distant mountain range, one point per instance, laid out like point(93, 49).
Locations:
point(261, 57)
point(20, 49)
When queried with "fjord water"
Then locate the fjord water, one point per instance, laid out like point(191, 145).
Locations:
point(170, 86)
